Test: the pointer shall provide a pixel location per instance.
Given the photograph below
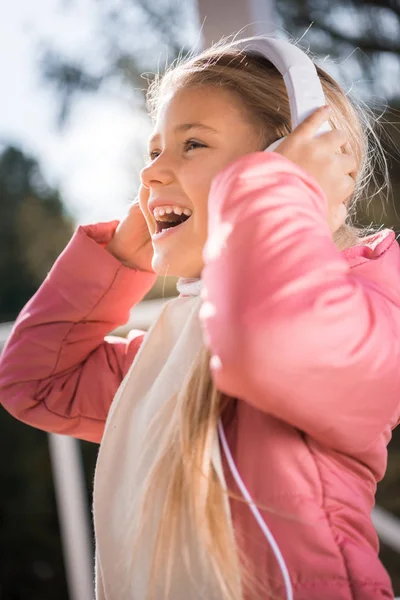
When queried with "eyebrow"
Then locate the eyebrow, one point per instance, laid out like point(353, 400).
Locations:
point(185, 127)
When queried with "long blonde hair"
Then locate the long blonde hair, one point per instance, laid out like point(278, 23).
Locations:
point(195, 410)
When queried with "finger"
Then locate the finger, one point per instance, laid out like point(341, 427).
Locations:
point(349, 164)
point(135, 203)
point(334, 139)
point(309, 127)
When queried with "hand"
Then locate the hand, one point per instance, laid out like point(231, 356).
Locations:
point(131, 242)
point(321, 157)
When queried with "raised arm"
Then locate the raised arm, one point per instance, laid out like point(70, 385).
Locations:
point(297, 328)
point(59, 372)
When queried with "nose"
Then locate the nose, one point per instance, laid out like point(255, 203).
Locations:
point(157, 172)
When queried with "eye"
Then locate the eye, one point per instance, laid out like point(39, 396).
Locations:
point(192, 145)
point(153, 154)
point(188, 145)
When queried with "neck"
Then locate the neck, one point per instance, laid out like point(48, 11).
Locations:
point(189, 286)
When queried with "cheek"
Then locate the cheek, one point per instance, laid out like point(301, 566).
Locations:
point(198, 186)
point(199, 199)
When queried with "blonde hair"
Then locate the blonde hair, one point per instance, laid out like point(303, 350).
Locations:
point(195, 410)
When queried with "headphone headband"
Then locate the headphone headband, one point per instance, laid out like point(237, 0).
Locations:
point(299, 74)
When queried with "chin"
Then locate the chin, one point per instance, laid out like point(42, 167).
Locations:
point(174, 268)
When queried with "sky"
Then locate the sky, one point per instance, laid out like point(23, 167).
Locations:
point(94, 160)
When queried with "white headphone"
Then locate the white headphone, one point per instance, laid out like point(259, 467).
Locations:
point(305, 96)
point(299, 74)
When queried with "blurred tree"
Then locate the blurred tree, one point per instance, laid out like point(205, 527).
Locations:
point(131, 37)
point(368, 29)
point(34, 229)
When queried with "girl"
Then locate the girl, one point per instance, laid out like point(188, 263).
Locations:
point(287, 327)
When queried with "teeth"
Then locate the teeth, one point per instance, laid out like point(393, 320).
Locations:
point(167, 210)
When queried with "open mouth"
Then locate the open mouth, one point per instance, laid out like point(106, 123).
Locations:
point(169, 221)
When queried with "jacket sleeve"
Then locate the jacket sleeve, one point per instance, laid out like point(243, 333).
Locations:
point(293, 329)
point(59, 371)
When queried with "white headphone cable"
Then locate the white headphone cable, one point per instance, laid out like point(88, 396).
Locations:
point(256, 512)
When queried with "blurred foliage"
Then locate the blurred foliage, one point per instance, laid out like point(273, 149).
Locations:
point(130, 37)
point(34, 229)
point(369, 29)
point(135, 36)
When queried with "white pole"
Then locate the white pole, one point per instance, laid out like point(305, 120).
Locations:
point(73, 515)
point(388, 527)
point(226, 17)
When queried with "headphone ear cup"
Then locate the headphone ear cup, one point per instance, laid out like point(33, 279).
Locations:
point(274, 145)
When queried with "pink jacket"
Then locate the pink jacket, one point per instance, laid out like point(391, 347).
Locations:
point(305, 337)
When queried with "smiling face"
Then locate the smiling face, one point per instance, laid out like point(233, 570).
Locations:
point(199, 130)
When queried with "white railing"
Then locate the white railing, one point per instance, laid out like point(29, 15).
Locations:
point(69, 484)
